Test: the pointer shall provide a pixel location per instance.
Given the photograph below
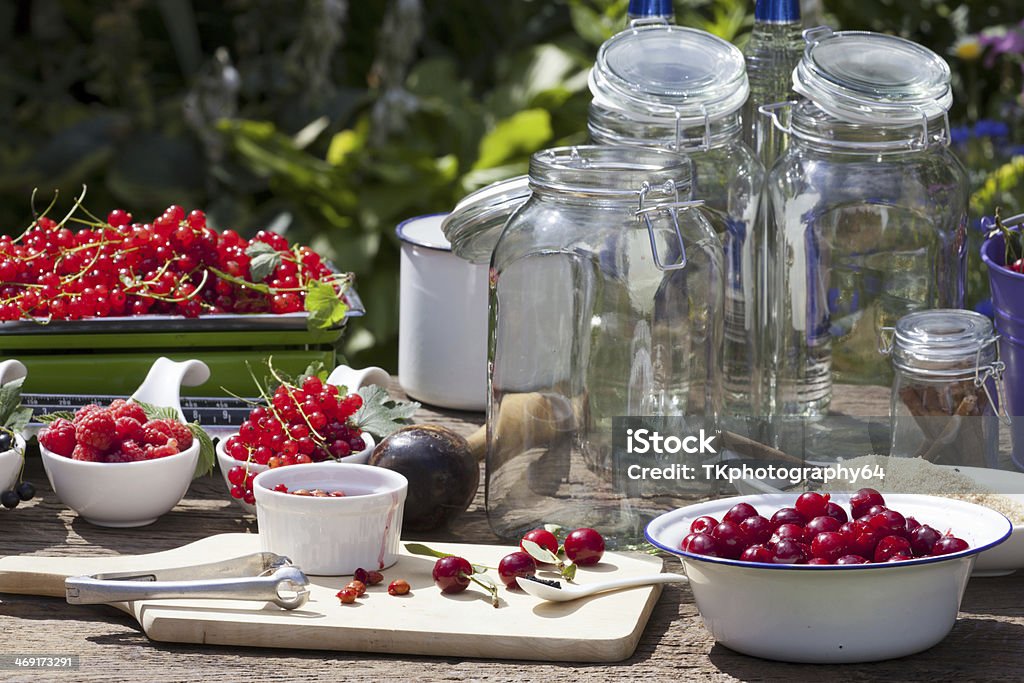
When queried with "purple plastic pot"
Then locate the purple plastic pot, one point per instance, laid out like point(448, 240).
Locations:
point(1008, 302)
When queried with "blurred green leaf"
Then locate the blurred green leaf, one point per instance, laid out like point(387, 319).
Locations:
point(517, 135)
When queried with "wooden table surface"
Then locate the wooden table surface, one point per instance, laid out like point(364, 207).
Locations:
point(987, 642)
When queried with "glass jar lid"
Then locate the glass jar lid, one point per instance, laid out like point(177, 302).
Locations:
point(655, 71)
point(867, 77)
point(476, 222)
point(944, 341)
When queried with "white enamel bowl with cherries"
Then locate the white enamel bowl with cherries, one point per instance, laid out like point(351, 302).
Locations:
point(833, 613)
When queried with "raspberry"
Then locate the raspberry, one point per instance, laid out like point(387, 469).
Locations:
point(130, 451)
point(97, 429)
point(84, 412)
point(154, 452)
point(59, 437)
point(172, 429)
point(128, 428)
point(86, 453)
point(120, 408)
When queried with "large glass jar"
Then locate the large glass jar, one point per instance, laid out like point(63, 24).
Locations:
point(681, 89)
point(606, 295)
point(943, 395)
point(870, 209)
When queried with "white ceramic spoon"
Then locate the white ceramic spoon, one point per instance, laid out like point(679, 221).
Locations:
point(570, 591)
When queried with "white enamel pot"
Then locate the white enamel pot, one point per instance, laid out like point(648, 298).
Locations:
point(442, 331)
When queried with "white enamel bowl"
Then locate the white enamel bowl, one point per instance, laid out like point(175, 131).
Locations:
point(332, 536)
point(131, 494)
point(225, 462)
point(833, 614)
point(10, 464)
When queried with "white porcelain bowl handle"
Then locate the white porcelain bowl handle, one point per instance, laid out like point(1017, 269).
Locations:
point(352, 379)
point(11, 370)
point(162, 386)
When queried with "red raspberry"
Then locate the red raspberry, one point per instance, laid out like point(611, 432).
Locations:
point(121, 408)
point(154, 436)
point(59, 437)
point(128, 428)
point(86, 453)
point(84, 412)
point(97, 429)
point(130, 451)
point(154, 452)
point(172, 429)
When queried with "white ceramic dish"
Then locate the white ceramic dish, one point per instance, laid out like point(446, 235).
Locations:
point(332, 536)
point(11, 460)
point(833, 614)
point(342, 376)
point(1005, 559)
point(225, 462)
point(132, 494)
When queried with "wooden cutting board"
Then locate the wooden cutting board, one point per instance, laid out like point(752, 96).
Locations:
point(603, 628)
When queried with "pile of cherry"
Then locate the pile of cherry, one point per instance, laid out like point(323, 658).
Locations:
point(818, 531)
point(174, 264)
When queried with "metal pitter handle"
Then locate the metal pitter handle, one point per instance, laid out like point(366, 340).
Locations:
point(994, 371)
point(279, 582)
point(644, 213)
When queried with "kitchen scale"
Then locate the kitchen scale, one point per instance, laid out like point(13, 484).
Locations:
point(75, 363)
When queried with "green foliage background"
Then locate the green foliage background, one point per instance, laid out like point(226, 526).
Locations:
point(333, 120)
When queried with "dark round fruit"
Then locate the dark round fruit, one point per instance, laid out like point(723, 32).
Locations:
point(836, 512)
point(789, 552)
point(757, 553)
point(829, 546)
point(451, 574)
point(757, 529)
point(737, 513)
point(9, 499)
point(787, 516)
point(703, 525)
point(515, 565)
point(442, 472)
point(584, 547)
point(923, 539)
point(793, 532)
point(542, 537)
point(25, 490)
point(730, 539)
point(701, 544)
point(949, 544)
point(892, 545)
point(852, 559)
point(6, 442)
point(812, 504)
point(822, 524)
point(862, 500)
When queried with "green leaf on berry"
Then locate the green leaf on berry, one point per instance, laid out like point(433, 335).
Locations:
point(420, 549)
point(56, 415)
point(264, 260)
point(207, 453)
point(325, 306)
point(158, 412)
point(539, 553)
point(380, 414)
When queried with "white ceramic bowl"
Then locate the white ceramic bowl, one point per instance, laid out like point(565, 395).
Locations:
point(123, 494)
point(332, 536)
point(225, 462)
point(10, 464)
point(833, 614)
point(132, 494)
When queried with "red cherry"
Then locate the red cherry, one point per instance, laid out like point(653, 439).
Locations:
point(701, 544)
point(949, 544)
point(703, 525)
point(862, 500)
point(737, 513)
point(757, 529)
point(730, 539)
point(451, 574)
point(757, 553)
point(543, 538)
point(812, 504)
point(584, 547)
point(892, 545)
point(515, 565)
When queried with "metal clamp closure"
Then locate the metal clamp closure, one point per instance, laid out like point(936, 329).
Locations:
point(260, 576)
point(994, 371)
point(671, 208)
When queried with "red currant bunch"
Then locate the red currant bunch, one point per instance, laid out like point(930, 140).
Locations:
point(174, 264)
point(298, 424)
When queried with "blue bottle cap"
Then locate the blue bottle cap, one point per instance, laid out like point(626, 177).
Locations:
point(776, 11)
point(650, 8)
